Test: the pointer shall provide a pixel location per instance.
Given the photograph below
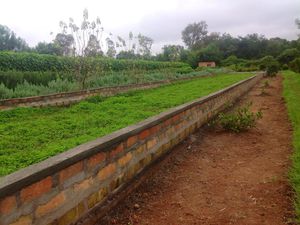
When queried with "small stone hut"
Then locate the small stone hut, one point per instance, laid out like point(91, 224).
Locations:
point(207, 64)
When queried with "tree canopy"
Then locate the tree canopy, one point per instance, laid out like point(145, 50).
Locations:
point(10, 41)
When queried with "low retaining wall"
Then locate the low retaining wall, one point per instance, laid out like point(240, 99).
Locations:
point(67, 98)
point(66, 188)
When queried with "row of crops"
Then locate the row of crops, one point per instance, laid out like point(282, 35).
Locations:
point(39, 62)
point(30, 74)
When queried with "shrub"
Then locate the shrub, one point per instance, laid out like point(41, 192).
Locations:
point(266, 83)
point(242, 119)
point(295, 65)
point(288, 55)
point(265, 61)
point(285, 67)
point(26, 89)
point(61, 85)
point(5, 92)
point(272, 69)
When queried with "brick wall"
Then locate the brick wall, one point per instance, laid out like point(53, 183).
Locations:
point(66, 188)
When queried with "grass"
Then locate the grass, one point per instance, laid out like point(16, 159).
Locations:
point(30, 135)
point(292, 97)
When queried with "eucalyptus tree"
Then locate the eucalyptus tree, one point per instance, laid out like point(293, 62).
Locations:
point(10, 41)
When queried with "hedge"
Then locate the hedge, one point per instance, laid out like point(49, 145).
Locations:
point(40, 63)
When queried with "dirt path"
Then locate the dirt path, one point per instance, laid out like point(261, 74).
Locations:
point(217, 177)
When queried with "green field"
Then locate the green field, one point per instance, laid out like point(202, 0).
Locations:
point(292, 96)
point(30, 135)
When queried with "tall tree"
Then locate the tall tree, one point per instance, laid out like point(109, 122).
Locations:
point(111, 47)
point(251, 46)
point(194, 34)
point(83, 39)
point(65, 43)
point(48, 48)
point(9, 40)
point(126, 47)
point(297, 21)
point(172, 52)
point(145, 45)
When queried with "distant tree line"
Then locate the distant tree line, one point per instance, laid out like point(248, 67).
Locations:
point(89, 39)
point(205, 46)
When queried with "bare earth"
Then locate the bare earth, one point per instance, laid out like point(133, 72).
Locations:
point(217, 177)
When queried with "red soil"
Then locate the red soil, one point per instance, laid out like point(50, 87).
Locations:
point(218, 177)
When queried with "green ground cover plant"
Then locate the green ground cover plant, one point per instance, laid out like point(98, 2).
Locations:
point(22, 84)
point(292, 97)
point(30, 135)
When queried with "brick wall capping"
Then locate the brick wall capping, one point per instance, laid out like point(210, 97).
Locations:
point(13, 182)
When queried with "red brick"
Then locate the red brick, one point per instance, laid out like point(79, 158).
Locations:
point(51, 205)
point(167, 122)
point(117, 150)
point(144, 134)
point(175, 118)
point(107, 171)
point(151, 143)
point(93, 199)
point(72, 215)
point(37, 189)
point(178, 126)
point(131, 141)
point(7, 204)
point(125, 159)
point(96, 159)
point(70, 171)
point(155, 129)
point(23, 220)
point(181, 114)
point(83, 185)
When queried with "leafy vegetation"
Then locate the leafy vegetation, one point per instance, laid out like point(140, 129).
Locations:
point(30, 135)
point(295, 65)
point(292, 95)
point(272, 69)
point(241, 120)
point(24, 84)
point(39, 62)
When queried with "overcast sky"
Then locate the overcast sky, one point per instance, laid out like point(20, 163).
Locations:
point(163, 20)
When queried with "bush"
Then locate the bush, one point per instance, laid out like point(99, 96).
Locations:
point(26, 89)
point(265, 61)
point(288, 55)
point(272, 69)
point(285, 67)
point(295, 65)
point(241, 120)
point(60, 85)
point(5, 92)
